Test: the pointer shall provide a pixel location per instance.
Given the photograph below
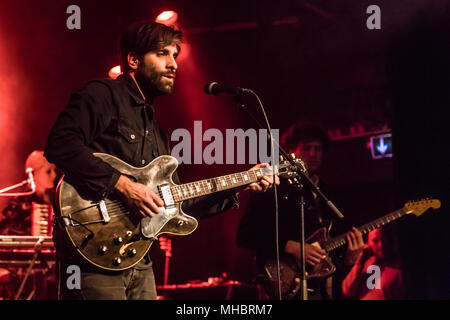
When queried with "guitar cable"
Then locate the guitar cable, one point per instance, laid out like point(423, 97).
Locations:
point(277, 240)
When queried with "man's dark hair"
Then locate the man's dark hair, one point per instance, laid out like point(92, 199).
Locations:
point(143, 37)
point(303, 132)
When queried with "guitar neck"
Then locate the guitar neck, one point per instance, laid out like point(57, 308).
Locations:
point(342, 239)
point(208, 186)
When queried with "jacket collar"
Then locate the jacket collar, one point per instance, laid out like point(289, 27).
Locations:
point(133, 90)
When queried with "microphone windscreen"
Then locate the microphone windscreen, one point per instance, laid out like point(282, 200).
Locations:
point(209, 87)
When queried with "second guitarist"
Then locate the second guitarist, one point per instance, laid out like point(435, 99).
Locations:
point(257, 228)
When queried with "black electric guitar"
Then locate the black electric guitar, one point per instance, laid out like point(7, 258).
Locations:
point(114, 236)
point(290, 272)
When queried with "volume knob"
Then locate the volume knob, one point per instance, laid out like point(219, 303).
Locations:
point(117, 261)
point(118, 240)
point(132, 252)
point(102, 249)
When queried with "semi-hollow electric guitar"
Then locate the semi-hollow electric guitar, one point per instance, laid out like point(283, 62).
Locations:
point(115, 236)
point(290, 271)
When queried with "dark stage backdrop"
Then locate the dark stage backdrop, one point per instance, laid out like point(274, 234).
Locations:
point(308, 62)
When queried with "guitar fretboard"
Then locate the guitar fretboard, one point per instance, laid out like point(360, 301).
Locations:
point(203, 187)
point(341, 240)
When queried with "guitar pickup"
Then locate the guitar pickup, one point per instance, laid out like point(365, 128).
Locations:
point(166, 195)
point(103, 211)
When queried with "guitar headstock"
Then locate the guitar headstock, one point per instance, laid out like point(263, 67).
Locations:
point(419, 207)
point(287, 171)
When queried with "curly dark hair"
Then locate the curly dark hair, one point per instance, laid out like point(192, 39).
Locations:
point(304, 132)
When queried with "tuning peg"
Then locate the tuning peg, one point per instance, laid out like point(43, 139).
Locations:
point(292, 155)
point(281, 158)
point(289, 181)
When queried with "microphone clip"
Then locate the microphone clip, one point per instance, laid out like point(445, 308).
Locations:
point(238, 99)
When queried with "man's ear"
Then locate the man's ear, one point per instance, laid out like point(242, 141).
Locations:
point(133, 61)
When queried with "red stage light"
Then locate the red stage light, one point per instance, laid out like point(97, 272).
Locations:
point(167, 17)
point(114, 72)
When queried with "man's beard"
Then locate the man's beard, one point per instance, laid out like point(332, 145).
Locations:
point(152, 81)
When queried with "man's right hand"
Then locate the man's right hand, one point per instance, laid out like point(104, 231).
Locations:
point(140, 196)
point(313, 254)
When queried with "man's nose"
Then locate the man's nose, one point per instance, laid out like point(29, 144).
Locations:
point(172, 64)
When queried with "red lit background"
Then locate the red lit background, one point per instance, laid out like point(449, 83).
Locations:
point(308, 62)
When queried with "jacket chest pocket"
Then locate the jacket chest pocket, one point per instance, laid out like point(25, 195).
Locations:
point(129, 134)
point(130, 142)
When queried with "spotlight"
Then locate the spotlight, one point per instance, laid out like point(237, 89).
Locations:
point(114, 72)
point(167, 17)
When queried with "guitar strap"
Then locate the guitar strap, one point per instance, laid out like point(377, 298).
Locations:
point(160, 147)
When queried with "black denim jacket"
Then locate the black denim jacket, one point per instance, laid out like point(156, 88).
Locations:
point(110, 116)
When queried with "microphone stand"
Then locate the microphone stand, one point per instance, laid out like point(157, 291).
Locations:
point(20, 184)
point(37, 251)
point(304, 286)
point(301, 170)
point(303, 175)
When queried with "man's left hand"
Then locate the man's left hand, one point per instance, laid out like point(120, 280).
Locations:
point(355, 246)
point(266, 181)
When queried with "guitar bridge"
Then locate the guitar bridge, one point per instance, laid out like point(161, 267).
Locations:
point(166, 195)
point(103, 211)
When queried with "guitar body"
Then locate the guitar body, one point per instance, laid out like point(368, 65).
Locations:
point(290, 278)
point(109, 233)
point(325, 267)
point(290, 271)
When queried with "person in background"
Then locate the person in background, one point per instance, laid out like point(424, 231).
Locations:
point(30, 215)
point(257, 228)
point(376, 274)
point(16, 217)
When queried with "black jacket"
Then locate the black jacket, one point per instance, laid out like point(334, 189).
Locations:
point(110, 116)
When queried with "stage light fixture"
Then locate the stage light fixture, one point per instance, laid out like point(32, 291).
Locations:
point(168, 17)
point(114, 72)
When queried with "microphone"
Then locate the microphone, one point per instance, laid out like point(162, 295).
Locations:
point(215, 88)
point(29, 171)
